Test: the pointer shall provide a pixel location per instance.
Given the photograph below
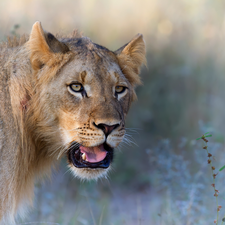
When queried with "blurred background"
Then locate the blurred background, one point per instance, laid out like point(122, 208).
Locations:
point(162, 177)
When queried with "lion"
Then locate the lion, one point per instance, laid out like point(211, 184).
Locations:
point(60, 96)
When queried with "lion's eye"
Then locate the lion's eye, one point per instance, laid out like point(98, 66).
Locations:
point(76, 87)
point(120, 89)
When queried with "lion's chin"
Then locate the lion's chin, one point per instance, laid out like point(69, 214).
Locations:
point(90, 162)
point(89, 174)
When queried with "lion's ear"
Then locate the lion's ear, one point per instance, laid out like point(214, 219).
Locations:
point(43, 46)
point(131, 56)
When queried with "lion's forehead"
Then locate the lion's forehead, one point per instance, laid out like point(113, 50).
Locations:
point(93, 72)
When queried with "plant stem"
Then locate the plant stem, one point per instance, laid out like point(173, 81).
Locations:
point(216, 195)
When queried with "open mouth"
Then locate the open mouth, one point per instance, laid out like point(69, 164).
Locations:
point(90, 157)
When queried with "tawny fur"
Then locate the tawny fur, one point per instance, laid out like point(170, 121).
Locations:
point(39, 119)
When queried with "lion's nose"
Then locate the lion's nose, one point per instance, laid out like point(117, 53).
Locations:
point(107, 129)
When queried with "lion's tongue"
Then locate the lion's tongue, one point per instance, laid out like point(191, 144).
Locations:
point(94, 154)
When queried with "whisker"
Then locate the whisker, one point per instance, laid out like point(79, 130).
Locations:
point(63, 149)
point(61, 152)
point(74, 145)
point(131, 139)
point(128, 141)
point(123, 145)
point(132, 130)
point(68, 170)
point(56, 150)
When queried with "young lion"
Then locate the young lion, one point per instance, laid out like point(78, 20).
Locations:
point(60, 96)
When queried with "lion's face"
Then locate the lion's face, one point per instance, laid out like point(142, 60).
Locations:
point(86, 100)
point(90, 103)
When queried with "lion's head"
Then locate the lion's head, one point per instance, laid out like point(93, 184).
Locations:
point(82, 95)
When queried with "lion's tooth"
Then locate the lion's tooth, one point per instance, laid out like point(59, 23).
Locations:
point(84, 156)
